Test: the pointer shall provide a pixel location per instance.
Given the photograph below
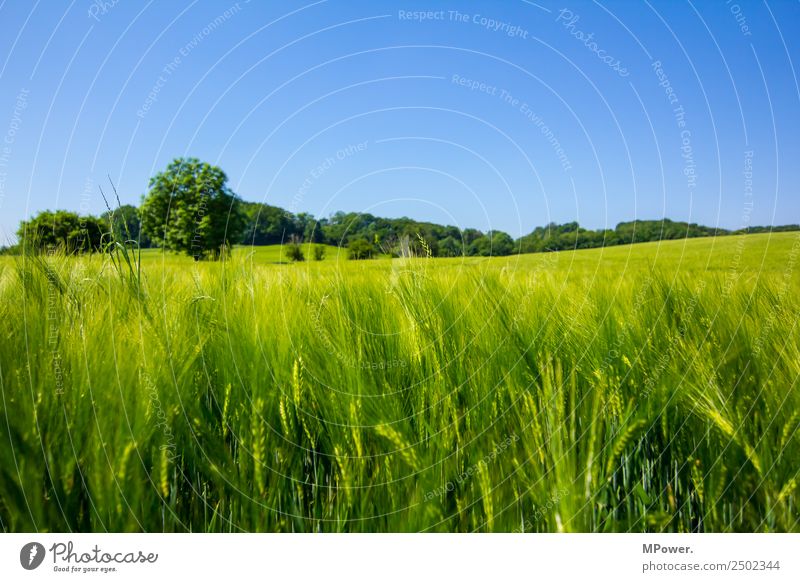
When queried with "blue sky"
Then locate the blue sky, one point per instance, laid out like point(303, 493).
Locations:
point(504, 115)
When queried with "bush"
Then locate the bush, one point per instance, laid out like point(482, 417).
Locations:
point(360, 249)
point(294, 252)
point(319, 252)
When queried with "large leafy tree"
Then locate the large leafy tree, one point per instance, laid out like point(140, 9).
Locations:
point(190, 209)
point(66, 231)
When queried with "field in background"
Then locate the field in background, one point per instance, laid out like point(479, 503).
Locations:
point(748, 255)
point(651, 387)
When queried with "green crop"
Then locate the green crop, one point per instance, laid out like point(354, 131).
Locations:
point(651, 387)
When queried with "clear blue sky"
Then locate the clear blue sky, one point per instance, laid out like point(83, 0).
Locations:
point(566, 126)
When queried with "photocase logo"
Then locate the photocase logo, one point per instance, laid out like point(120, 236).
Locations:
point(31, 555)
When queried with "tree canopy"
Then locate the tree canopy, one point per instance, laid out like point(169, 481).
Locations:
point(62, 230)
point(190, 209)
point(126, 222)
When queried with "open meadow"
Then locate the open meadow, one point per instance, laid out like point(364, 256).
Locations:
point(649, 387)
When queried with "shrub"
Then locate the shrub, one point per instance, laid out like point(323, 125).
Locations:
point(294, 252)
point(360, 249)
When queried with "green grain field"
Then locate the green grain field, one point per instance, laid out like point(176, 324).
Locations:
point(651, 387)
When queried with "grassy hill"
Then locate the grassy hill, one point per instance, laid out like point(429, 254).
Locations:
point(753, 253)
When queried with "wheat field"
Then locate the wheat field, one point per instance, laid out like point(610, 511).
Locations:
point(651, 387)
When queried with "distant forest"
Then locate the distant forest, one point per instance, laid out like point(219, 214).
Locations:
point(268, 225)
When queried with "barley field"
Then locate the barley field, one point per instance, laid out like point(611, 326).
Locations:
point(651, 387)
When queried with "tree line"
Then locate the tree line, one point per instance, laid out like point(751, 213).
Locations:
point(189, 208)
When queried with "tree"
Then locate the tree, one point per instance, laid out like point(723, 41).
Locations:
point(470, 235)
point(359, 249)
point(450, 247)
point(313, 231)
point(61, 230)
point(126, 223)
point(303, 222)
point(502, 243)
point(494, 243)
point(267, 225)
point(191, 209)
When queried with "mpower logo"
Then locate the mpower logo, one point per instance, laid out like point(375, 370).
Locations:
point(31, 555)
